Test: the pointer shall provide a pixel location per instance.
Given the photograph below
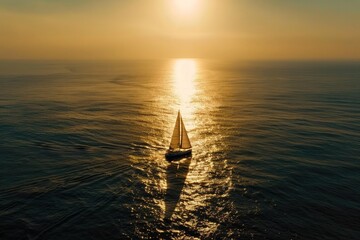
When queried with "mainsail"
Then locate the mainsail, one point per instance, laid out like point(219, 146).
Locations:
point(179, 138)
point(175, 139)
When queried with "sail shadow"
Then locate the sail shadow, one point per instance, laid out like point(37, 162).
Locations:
point(176, 176)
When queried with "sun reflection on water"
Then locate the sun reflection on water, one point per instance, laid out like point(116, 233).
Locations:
point(184, 75)
point(189, 89)
point(184, 192)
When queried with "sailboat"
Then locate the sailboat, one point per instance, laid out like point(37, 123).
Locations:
point(180, 145)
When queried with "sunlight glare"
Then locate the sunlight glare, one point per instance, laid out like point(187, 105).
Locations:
point(185, 7)
point(184, 74)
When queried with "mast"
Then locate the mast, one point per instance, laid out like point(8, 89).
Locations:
point(181, 130)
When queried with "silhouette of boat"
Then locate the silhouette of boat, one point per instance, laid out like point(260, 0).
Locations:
point(180, 145)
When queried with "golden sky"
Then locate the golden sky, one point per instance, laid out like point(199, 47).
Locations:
point(152, 29)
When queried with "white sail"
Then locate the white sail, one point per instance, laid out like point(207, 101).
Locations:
point(185, 141)
point(175, 139)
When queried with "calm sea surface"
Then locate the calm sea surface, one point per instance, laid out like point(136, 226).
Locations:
point(276, 150)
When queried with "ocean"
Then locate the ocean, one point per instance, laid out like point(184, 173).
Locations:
point(276, 149)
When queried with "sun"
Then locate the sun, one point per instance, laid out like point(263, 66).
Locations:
point(185, 7)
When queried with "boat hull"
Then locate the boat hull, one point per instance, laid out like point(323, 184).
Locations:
point(171, 155)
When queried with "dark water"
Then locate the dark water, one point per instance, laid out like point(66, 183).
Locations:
point(276, 150)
